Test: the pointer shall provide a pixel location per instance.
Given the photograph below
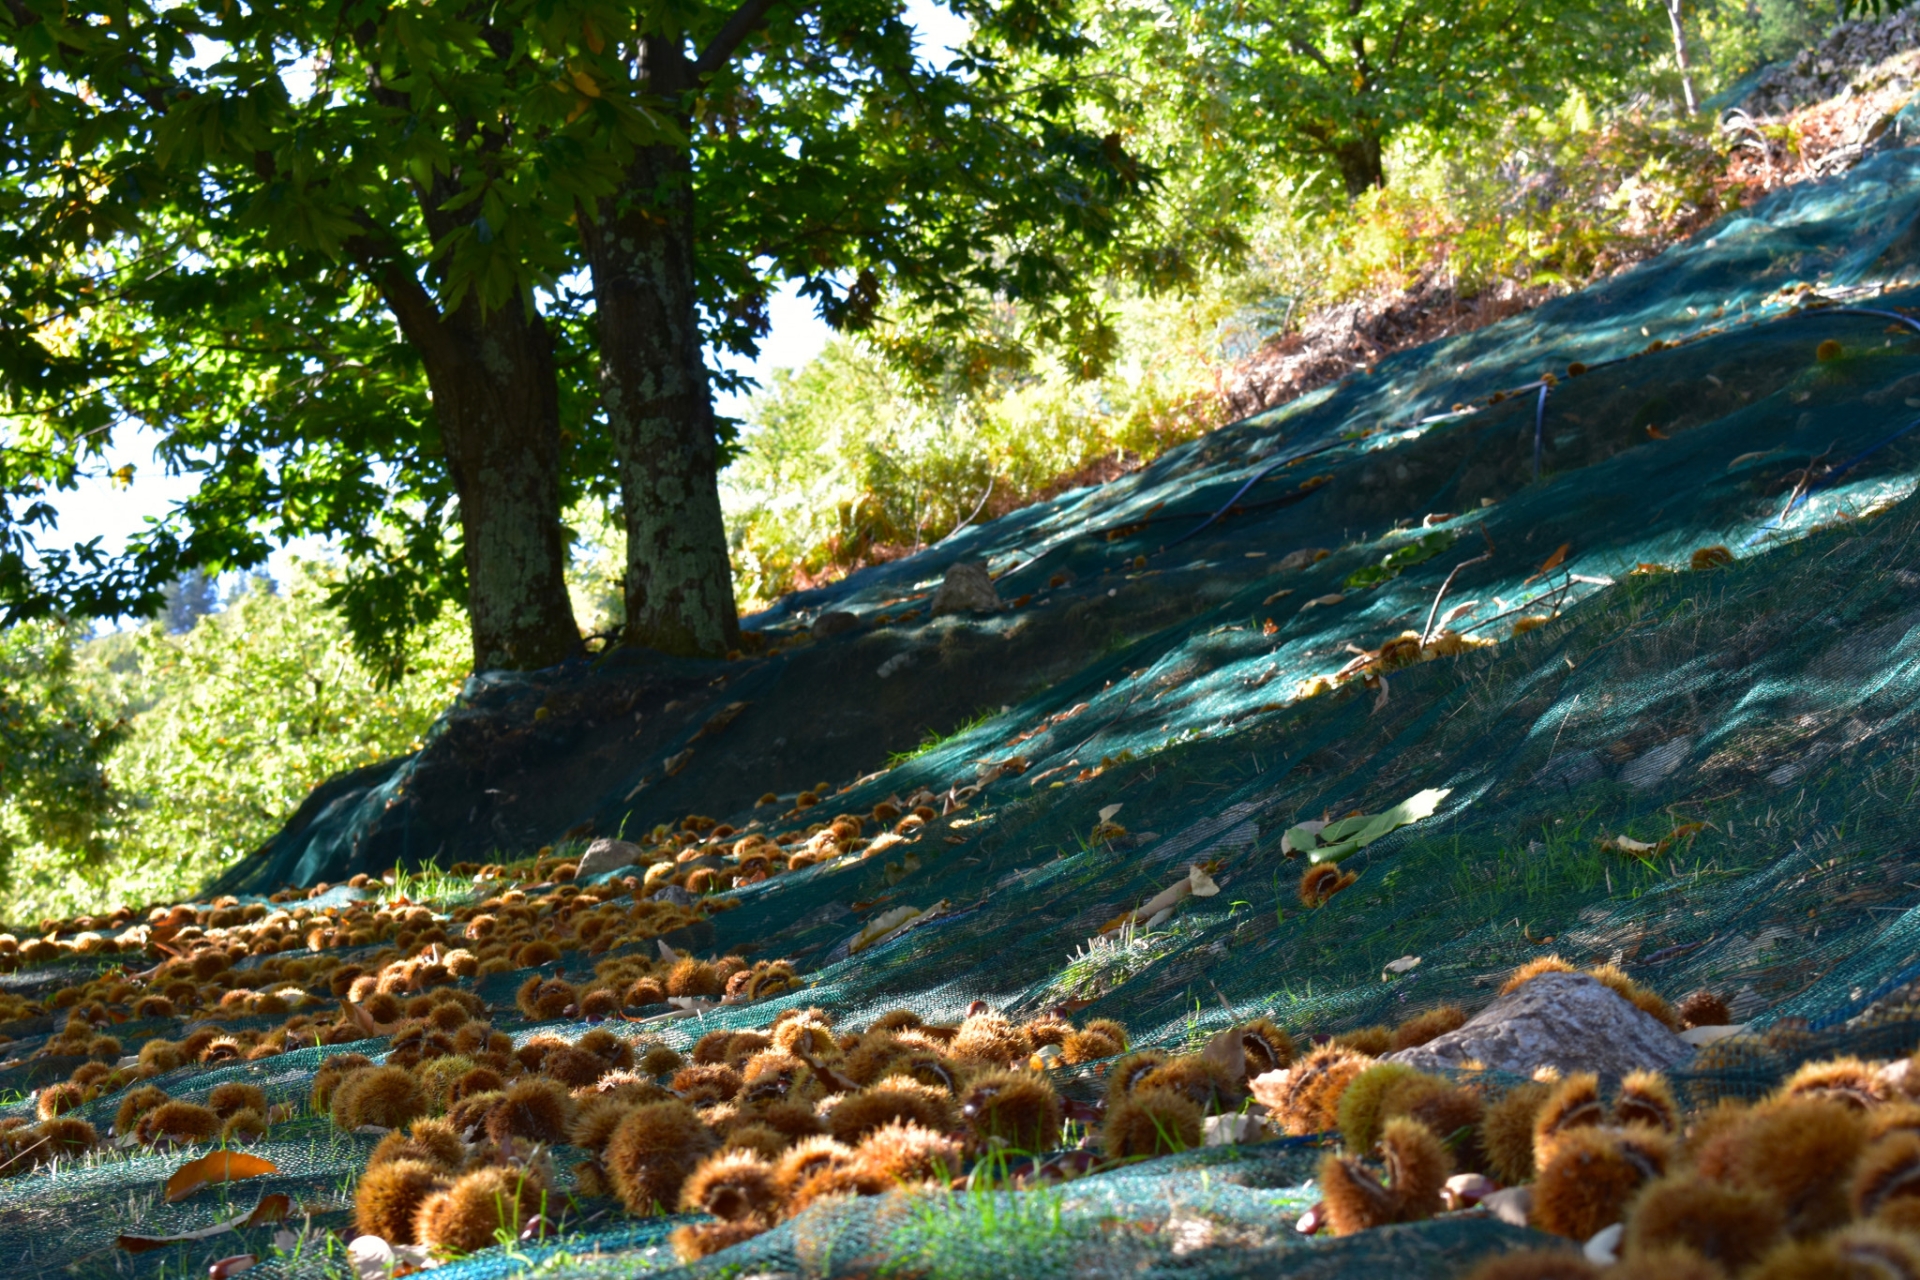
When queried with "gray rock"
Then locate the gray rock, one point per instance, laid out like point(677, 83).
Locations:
point(966, 589)
point(672, 893)
point(1564, 1020)
point(608, 855)
point(833, 622)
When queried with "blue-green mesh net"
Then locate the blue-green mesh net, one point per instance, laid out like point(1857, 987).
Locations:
point(1752, 719)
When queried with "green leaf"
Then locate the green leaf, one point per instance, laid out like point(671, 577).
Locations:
point(1342, 839)
point(1400, 559)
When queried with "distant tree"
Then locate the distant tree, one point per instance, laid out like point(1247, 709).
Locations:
point(54, 746)
point(1326, 85)
point(190, 597)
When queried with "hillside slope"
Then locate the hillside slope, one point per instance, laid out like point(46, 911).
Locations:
point(1672, 520)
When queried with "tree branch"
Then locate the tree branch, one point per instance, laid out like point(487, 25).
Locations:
point(737, 28)
point(1393, 50)
point(405, 296)
point(1306, 50)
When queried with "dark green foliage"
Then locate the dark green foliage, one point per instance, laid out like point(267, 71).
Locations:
point(318, 248)
point(1322, 88)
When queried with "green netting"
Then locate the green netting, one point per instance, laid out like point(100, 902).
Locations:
point(1770, 700)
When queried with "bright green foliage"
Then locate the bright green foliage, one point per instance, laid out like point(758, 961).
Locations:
point(54, 742)
point(1323, 87)
point(850, 460)
point(223, 731)
point(1738, 36)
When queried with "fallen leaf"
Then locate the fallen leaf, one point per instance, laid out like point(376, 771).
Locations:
point(719, 720)
point(1165, 900)
point(232, 1266)
point(1200, 883)
point(879, 927)
point(1225, 1051)
point(1302, 838)
point(1317, 601)
point(374, 1259)
point(1405, 964)
point(1401, 558)
point(1269, 627)
point(218, 1166)
point(1270, 1089)
point(1222, 1131)
point(1062, 1168)
point(1656, 432)
point(1553, 561)
point(1337, 840)
point(1628, 845)
point(1107, 812)
point(367, 1022)
point(1751, 457)
point(1281, 594)
point(271, 1209)
point(1511, 1205)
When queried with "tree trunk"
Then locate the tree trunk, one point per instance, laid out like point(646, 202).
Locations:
point(497, 406)
point(653, 386)
point(1361, 167)
point(1677, 20)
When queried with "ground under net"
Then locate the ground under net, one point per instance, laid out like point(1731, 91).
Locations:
point(1750, 720)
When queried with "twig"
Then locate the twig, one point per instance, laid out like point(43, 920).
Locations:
point(1539, 427)
point(978, 507)
point(1426, 636)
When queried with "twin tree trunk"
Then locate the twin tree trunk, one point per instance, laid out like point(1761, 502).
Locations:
point(497, 404)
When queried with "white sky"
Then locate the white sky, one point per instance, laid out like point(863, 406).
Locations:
point(98, 508)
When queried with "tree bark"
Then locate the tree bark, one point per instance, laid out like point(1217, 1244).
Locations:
point(496, 403)
point(1677, 20)
point(653, 387)
point(1361, 166)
